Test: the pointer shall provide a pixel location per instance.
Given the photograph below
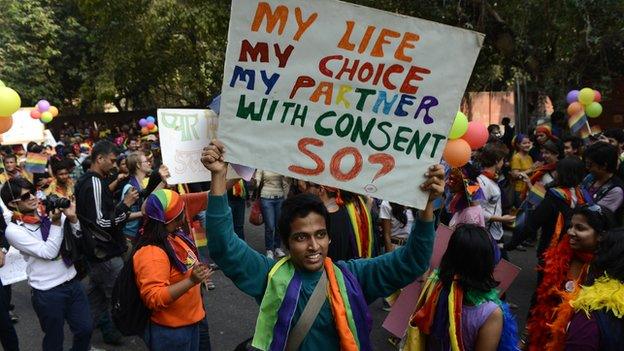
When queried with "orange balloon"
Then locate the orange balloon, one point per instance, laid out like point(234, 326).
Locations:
point(5, 123)
point(575, 108)
point(457, 152)
point(144, 131)
point(54, 111)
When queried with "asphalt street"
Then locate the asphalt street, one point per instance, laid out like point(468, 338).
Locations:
point(232, 315)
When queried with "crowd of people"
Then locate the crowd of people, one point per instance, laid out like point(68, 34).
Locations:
point(101, 218)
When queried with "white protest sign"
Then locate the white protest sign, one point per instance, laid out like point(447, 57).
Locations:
point(24, 130)
point(183, 134)
point(14, 269)
point(342, 95)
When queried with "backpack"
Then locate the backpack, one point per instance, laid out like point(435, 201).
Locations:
point(128, 311)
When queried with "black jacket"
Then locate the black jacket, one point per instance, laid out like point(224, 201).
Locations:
point(96, 206)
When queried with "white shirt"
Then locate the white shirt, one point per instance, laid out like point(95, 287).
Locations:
point(44, 266)
point(398, 229)
point(492, 205)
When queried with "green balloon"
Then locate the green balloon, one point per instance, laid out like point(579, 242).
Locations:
point(460, 126)
point(46, 117)
point(593, 110)
point(10, 101)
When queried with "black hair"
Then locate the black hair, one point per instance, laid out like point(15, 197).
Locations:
point(86, 164)
point(103, 148)
point(491, 154)
point(13, 156)
point(598, 217)
point(155, 233)
point(58, 165)
point(12, 190)
point(610, 256)
point(492, 127)
point(615, 133)
point(505, 120)
point(604, 155)
point(575, 142)
point(570, 172)
point(398, 212)
point(34, 147)
point(299, 206)
point(552, 147)
point(470, 257)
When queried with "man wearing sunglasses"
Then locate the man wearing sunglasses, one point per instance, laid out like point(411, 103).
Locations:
point(57, 294)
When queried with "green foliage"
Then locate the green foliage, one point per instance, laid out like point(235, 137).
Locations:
point(153, 53)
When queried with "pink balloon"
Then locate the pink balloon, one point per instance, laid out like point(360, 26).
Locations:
point(476, 135)
point(597, 96)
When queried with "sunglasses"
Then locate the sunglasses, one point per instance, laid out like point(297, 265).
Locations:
point(27, 196)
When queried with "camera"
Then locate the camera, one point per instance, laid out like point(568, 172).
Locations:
point(53, 202)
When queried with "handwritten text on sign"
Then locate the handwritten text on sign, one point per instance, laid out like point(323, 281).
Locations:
point(342, 95)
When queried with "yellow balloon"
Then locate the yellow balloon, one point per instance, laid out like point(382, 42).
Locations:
point(2, 84)
point(10, 101)
point(54, 111)
point(586, 96)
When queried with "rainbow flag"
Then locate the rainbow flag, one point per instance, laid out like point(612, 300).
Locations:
point(536, 194)
point(36, 163)
point(594, 130)
point(577, 122)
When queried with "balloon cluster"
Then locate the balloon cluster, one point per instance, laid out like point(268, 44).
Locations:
point(148, 125)
point(464, 137)
point(44, 112)
point(587, 100)
point(10, 102)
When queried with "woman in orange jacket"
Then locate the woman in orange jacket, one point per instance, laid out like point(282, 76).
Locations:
point(168, 273)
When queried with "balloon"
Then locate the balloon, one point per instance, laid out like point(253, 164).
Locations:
point(10, 101)
point(143, 122)
point(476, 135)
point(572, 96)
point(151, 119)
point(2, 84)
point(150, 125)
point(460, 125)
point(155, 129)
point(597, 96)
point(575, 108)
point(144, 131)
point(586, 96)
point(54, 111)
point(457, 152)
point(43, 105)
point(593, 110)
point(6, 124)
point(46, 117)
point(35, 114)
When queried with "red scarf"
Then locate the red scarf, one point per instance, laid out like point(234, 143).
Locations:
point(492, 175)
point(540, 172)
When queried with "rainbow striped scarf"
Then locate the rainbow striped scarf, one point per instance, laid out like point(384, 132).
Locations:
point(239, 189)
point(362, 223)
point(439, 307)
point(346, 299)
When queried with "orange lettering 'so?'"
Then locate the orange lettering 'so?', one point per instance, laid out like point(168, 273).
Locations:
point(336, 160)
point(320, 165)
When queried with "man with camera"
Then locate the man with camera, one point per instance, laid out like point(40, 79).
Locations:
point(57, 294)
point(102, 220)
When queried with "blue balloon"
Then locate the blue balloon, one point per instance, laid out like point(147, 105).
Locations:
point(151, 119)
point(572, 96)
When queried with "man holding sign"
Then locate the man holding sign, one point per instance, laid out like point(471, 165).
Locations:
point(308, 302)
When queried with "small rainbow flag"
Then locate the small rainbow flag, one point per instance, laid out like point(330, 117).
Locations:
point(536, 194)
point(577, 122)
point(36, 163)
point(594, 130)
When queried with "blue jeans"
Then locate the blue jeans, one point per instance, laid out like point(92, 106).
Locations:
point(237, 204)
point(8, 337)
point(271, 210)
point(67, 301)
point(161, 338)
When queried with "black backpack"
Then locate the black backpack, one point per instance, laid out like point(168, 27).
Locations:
point(128, 311)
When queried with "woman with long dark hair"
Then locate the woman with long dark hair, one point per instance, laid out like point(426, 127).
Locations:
point(597, 323)
point(459, 307)
point(168, 273)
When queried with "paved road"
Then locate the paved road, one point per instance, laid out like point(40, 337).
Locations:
point(232, 314)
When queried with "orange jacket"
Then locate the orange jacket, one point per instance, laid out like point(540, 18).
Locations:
point(154, 274)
